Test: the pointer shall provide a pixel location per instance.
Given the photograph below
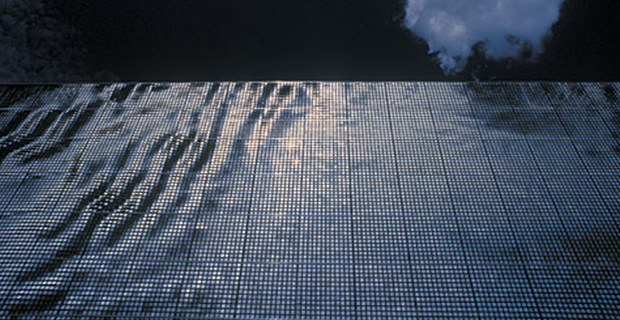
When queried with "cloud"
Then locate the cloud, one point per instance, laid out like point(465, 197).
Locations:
point(37, 46)
point(504, 28)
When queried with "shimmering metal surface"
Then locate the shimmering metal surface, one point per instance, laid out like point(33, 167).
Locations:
point(310, 200)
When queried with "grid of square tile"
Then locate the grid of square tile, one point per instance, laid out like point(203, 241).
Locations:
point(310, 200)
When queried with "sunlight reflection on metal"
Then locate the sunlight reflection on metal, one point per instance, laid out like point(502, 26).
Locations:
point(300, 200)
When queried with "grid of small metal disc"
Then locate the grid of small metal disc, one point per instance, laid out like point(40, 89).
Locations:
point(310, 200)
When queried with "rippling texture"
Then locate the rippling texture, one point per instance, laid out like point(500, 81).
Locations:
point(310, 200)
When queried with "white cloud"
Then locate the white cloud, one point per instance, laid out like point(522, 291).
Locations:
point(37, 46)
point(453, 27)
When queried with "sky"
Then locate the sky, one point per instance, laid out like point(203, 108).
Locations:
point(184, 40)
point(502, 28)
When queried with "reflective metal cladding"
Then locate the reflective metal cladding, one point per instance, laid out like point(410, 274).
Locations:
point(310, 200)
